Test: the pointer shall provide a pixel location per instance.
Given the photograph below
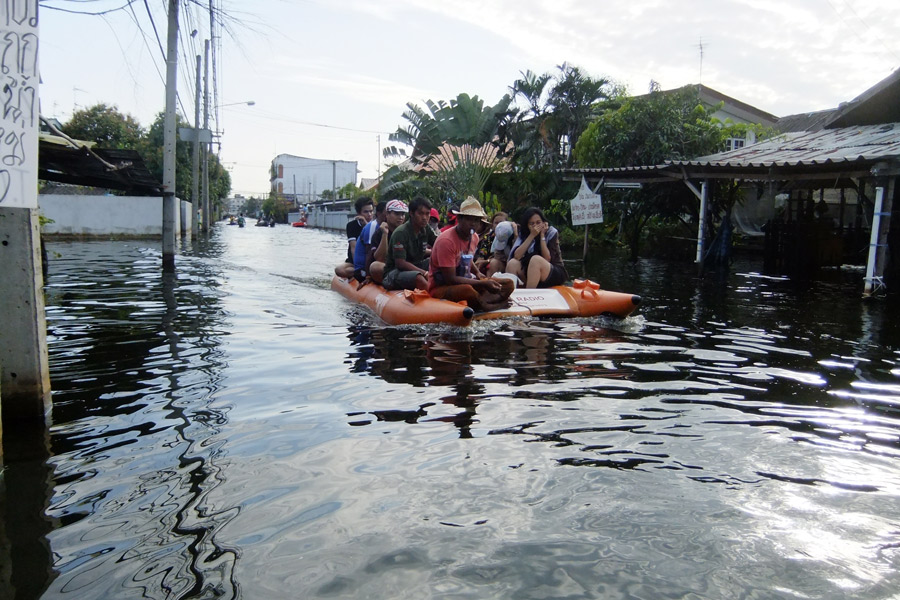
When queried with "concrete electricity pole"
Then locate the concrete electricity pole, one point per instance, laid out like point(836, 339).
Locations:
point(170, 218)
point(195, 159)
point(206, 146)
point(24, 365)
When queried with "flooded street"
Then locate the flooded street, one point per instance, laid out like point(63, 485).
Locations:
point(238, 430)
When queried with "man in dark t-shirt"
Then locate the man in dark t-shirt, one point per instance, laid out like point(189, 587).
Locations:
point(406, 267)
point(365, 210)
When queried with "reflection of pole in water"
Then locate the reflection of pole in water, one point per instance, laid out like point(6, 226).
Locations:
point(211, 566)
point(25, 559)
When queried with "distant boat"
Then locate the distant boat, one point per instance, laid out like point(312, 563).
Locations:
point(298, 224)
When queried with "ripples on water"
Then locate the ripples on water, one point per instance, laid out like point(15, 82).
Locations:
point(238, 430)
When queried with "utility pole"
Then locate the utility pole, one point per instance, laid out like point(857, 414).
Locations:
point(196, 204)
point(24, 365)
point(333, 182)
point(169, 200)
point(206, 146)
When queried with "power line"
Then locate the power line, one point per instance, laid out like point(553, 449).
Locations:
point(84, 12)
point(875, 33)
point(866, 25)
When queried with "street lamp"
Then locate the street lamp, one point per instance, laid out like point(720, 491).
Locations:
point(245, 102)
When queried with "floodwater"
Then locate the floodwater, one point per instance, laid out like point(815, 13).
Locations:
point(238, 430)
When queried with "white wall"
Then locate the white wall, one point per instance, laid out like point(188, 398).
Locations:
point(106, 215)
point(336, 221)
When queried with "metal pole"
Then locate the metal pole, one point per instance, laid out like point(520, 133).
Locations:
point(701, 227)
point(196, 204)
point(206, 211)
point(169, 200)
point(333, 182)
point(584, 256)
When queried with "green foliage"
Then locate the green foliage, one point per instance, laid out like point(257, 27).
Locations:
point(456, 144)
point(464, 120)
point(489, 202)
point(277, 207)
point(111, 129)
point(555, 116)
point(105, 126)
point(649, 130)
point(252, 206)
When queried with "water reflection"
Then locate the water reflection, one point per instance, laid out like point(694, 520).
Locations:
point(137, 371)
point(237, 430)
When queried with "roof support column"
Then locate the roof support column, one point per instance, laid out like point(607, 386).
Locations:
point(701, 222)
point(881, 224)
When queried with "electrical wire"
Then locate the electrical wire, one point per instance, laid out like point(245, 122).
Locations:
point(84, 12)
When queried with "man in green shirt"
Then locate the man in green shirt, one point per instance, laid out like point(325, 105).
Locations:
point(406, 267)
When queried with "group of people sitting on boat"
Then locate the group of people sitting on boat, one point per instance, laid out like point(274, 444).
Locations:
point(472, 258)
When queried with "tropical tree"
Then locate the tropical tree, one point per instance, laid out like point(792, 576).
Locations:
point(251, 206)
point(152, 151)
point(553, 110)
point(106, 126)
point(459, 143)
point(572, 104)
point(277, 207)
point(648, 130)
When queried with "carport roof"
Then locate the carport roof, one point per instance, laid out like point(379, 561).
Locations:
point(826, 155)
point(63, 161)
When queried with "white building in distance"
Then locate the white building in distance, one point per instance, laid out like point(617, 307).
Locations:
point(304, 179)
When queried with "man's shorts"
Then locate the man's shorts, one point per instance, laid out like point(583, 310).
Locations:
point(400, 280)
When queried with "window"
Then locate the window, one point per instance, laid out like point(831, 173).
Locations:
point(735, 143)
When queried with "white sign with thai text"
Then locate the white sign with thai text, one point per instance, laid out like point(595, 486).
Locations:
point(20, 116)
point(586, 206)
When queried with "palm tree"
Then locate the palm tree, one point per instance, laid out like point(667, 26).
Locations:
point(572, 104)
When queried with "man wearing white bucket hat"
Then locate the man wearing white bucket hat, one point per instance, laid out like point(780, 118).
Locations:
point(453, 274)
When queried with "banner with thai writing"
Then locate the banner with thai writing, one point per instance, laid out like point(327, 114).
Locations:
point(20, 115)
point(586, 206)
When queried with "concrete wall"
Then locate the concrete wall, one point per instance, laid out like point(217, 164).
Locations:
point(336, 221)
point(136, 216)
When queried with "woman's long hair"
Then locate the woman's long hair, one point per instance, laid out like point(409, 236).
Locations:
point(526, 216)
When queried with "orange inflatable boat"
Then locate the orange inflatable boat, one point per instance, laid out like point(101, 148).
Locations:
point(404, 307)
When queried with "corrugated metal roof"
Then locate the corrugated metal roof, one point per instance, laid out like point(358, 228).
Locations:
point(826, 146)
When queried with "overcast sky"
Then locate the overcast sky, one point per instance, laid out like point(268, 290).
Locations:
point(329, 76)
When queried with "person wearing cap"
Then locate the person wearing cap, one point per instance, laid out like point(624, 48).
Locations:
point(363, 253)
point(535, 257)
point(504, 234)
point(406, 267)
point(434, 221)
point(394, 214)
point(484, 254)
point(365, 210)
point(452, 272)
point(451, 218)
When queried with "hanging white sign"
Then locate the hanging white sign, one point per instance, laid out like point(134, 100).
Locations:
point(19, 118)
point(586, 206)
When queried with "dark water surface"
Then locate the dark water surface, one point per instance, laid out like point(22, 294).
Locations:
point(240, 431)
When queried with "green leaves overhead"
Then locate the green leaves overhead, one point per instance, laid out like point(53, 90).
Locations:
point(464, 120)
